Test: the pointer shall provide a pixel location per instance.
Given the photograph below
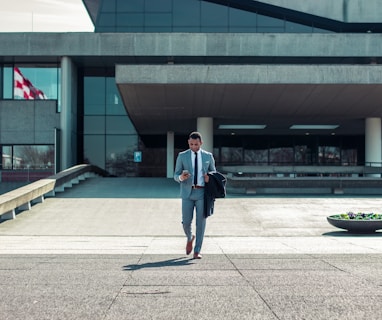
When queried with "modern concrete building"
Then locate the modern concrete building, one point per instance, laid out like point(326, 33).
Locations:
point(268, 83)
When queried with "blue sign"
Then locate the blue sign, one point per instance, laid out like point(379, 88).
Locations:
point(137, 156)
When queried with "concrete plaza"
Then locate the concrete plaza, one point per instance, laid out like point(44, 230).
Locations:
point(113, 248)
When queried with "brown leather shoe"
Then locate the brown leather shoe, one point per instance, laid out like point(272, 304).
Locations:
point(189, 245)
point(197, 255)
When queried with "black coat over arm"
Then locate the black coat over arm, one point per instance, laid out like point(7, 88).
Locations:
point(214, 189)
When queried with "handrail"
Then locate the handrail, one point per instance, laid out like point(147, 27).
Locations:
point(299, 170)
point(22, 197)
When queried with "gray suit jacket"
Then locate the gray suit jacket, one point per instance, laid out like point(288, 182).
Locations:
point(183, 162)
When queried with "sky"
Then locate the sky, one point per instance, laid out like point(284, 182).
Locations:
point(44, 16)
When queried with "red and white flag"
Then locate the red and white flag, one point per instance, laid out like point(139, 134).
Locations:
point(24, 89)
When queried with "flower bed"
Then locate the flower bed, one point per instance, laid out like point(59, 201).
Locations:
point(360, 222)
point(358, 216)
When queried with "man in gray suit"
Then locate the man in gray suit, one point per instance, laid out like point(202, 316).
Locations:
point(191, 171)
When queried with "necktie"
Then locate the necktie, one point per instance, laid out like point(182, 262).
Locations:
point(196, 170)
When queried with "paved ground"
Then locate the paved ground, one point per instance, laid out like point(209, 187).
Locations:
point(113, 248)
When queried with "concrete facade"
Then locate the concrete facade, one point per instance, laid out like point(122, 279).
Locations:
point(53, 45)
point(28, 122)
point(249, 74)
point(168, 80)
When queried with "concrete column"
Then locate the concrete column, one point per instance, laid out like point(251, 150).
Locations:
point(373, 143)
point(68, 124)
point(170, 154)
point(205, 125)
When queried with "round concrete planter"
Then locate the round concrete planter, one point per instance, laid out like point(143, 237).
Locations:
point(357, 226)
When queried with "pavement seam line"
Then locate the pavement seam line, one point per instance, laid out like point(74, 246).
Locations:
point(252, 286)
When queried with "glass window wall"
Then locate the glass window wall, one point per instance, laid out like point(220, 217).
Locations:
point(158, 6)
point(33, 157)
point(131, 5)
point(32, 83)
point(114, 103)
point(120, 155)
point(94, 124)
point(7, 156)
point(94, 149)
point(290, 150)
point(95, 96)
point(25, 163)
point(110, 138)
point(188, 16)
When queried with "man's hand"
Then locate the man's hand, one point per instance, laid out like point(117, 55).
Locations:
point(184, 176)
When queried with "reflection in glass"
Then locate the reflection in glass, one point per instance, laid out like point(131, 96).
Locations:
point(292, 27)
point(94, 125)
point(94, 91)
point(33, 157)
point(106, 20)
point(94, 150)
point(186, 13)
point(131, 5)
point(291, 150)
point(109, 135)
point(26, 163)
point(231, 155)
point(8, 83)
point(265, 21)
point(157, 19)
point(6, 157)
point(349, 157)
point(120, 155)
point(241, 18)
point(259, 157)
point(44, 80)
point(108, 6)
point(302, 155)
point(189, 16)
point(114, 104)
point(214, 15)
point(158, 6)
point(130, 19)
point(328, 155)
point(119, 125)
point(281, 156)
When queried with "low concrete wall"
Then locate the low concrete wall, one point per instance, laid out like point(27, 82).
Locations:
point(22, 197)
point(304, 185)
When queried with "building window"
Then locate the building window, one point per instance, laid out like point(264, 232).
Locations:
point(290, 150)
point(27, 82)
point(231, 155)
point(7, 158)
point(189, 16)
point(27, 162)
point(302, 155)
point(256, 156)
point(110, 138)
point(33, 157)
point(329, 155)
point(120, 155)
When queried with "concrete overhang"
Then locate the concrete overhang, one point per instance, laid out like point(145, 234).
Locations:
point(162, 98)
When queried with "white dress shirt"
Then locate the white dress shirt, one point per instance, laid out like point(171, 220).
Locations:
point(200, 167)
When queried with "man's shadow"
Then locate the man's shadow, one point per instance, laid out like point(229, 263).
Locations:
point(345, 233)
point(178, 262)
